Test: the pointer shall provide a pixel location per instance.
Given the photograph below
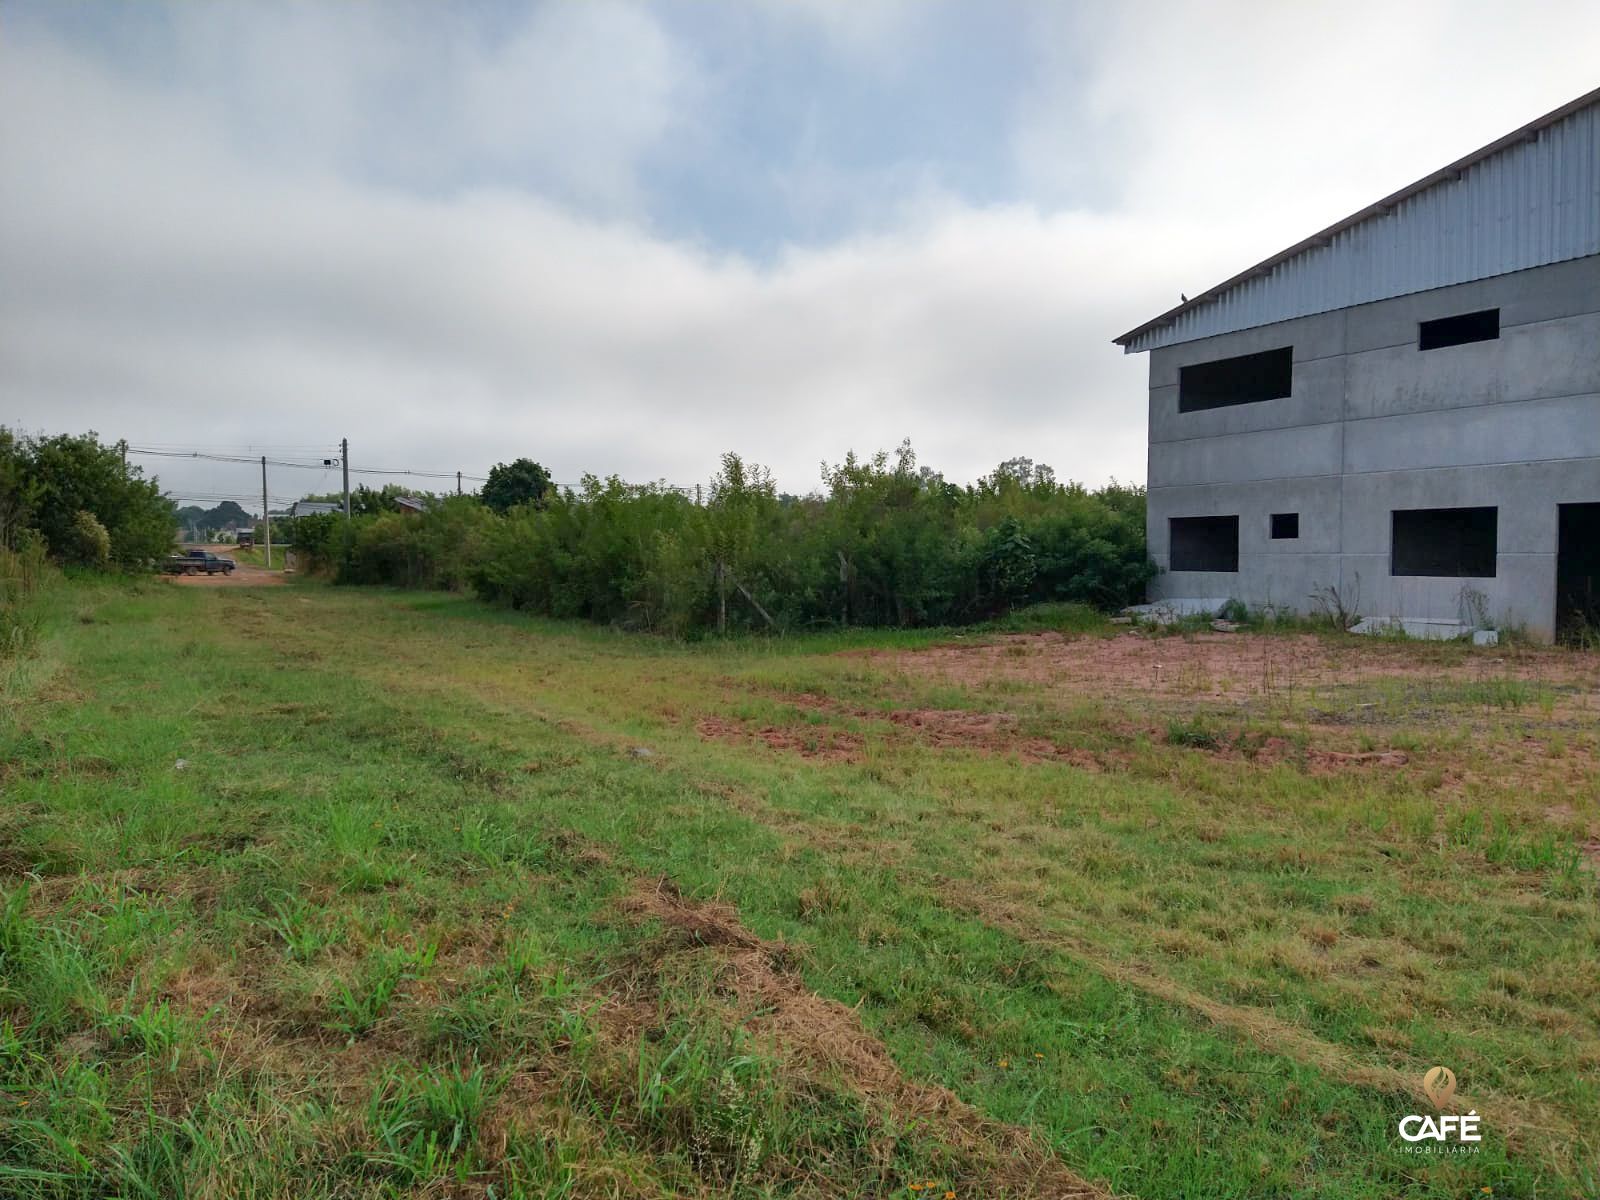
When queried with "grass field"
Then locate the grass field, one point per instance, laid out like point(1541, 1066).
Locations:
point(312, 892)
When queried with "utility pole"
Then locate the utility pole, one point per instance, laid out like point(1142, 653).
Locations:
point(266, 513)
point(458, 483)
point(344, 457)
point(722, 597)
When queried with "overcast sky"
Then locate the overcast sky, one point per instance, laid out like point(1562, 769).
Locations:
point(623, 238)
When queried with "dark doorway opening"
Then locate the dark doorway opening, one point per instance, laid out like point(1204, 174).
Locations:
point(1578, 573)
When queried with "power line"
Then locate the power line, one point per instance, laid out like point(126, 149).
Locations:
point(188, 494)
point(168, 450)
point(418, 473)
point(220, 449)
point(218, 497)
point(322, 465)
point(253, 460)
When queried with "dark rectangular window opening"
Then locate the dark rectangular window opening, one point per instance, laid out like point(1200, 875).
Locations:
point(1285, 526)
point(1454, 542)
point(1246, 379)
point(1458, 331)
point(1204, 543)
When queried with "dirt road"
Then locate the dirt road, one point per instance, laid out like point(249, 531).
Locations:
point(244, 575)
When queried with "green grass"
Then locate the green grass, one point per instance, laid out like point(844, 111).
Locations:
point(255, 556)
point(1195, 732)
point(396, 927)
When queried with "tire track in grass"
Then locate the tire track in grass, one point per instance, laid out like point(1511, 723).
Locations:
point(1521, 1122)
point(820, 1034)
point(1510, 1115)
point(825, 1038)
point(1261, 1031)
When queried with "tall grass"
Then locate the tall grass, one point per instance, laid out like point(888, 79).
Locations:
point(22, 573)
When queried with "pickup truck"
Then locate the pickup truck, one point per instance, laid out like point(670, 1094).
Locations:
point(197, 562)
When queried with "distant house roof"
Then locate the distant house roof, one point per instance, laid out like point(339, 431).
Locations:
point(411, 503)
point(306, 508)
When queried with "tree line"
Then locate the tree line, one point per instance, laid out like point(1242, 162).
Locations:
point(882, 542)
point(72, 499)
point(75, 498)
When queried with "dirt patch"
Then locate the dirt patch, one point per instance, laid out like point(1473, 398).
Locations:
point(825, 1037)
point(244, 574)
point(994, 732)
point(1271, 751)
point(1368, 758)
point(820, 742)
point(1224, 666)
point(958, 729)
point(243, 577)
point(999, 733)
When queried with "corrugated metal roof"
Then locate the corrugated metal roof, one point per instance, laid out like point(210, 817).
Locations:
point(1524, 200)
point(306, 508)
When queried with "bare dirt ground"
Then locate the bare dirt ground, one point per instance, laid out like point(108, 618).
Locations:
point(1225, 666)
point(996, 732)
point(244, 575)
point(1346, 697)
point(1325, 706)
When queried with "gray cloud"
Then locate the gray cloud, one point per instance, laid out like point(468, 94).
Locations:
point(171, 270)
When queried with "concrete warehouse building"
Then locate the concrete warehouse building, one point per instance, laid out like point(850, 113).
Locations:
point(1403, 408)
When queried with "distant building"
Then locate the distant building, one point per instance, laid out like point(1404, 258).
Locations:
point(411, 504)
point(1403, 408)
point(306, 508)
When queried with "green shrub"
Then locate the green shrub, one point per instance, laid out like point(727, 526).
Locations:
point(883, 543)
point(87, 543)
point(431, 549)
point(1236, 611)
point(1194, 733)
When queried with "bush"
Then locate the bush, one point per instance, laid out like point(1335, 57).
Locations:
point(885, 543)
point(87, 543)
point(638, 556)
point(431, 549)
point(319, 540)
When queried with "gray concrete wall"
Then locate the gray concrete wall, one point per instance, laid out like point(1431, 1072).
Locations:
point(1372, 424)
